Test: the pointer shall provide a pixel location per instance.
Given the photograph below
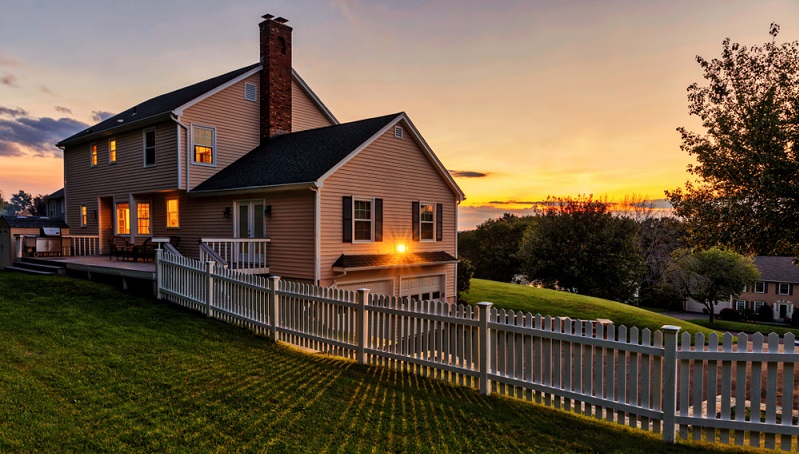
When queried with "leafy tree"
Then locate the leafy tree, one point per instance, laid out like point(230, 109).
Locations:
point(578, 244)
point(465, 274)
point(658, 239)
point(3, 204)
point(712, 275)
point(746, 193)
point(38, 206)
point(492, 246)
point(20, 202)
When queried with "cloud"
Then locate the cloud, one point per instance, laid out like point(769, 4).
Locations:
point(9, 80)
point(514, 202)
point(18, 112)
point(8, 61)
point(36, 136)
point(99, 115)
point(467, 174)
point(44, 89)
point(65, 110)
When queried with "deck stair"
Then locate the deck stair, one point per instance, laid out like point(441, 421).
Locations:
point(38, 266)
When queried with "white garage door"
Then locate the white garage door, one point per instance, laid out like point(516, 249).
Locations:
point(423, 288)
point(375, 287)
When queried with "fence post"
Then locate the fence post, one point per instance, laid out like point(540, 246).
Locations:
point(669, 381)
point(209, 300)
point(158, 273)
point(274, 306)
point(361, 333)
point(485, 348)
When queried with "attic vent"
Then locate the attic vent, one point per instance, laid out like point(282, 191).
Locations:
point(250, 92)
point(398, 132)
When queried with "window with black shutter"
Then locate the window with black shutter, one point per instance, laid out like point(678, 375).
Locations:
point(415, 220)
point(439, 222)
point(346, 216)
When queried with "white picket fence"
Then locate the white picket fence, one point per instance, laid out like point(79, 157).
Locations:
point(634, 377)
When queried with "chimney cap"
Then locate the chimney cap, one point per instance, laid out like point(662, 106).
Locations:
point(282, 20)
point(267, 16)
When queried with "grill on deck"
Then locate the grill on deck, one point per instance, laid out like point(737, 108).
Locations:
point(48, 242)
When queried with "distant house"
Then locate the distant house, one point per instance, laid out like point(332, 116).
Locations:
point(253, 158)
point(777, 287)
point(55, 204)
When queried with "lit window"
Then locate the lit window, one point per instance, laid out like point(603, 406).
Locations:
point(760, 287)
point(362, 218)
point(172, 220)
point(143, 218)
point(112, 151)
point(84, 216)
point(94, 154)
point(149, 147)
point(123, 219)
point(426, 221)
point(784, 288)
point(203, 145)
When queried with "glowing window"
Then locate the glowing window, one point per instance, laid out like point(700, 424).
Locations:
point(172, 220)
point(112, 151)
point(94, 154)
point(84, 216)
point(203, 145)
point(426, 221)
point(123, 219)
point(143, 218)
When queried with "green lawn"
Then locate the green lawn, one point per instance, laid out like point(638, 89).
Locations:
point(85, 368)
point(564, 304)
point(747, 327)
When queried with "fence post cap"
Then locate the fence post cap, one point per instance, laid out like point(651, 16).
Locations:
point(485, 304)
point(274, 278)
point(670, 328)
point(363, 290)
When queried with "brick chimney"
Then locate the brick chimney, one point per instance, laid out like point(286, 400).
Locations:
point(275, 77)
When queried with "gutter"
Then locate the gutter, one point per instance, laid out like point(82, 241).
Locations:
point(122, 127)
point(253, 189)
point(176, 119)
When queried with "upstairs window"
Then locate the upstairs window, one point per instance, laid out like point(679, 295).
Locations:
point(112, 151)
point(426, 220)
point(760, 287)
point(123, 219)
point(149, 147)
point(362, 219)
point(172, 220)
point(94, 154)
point(84, 216)
point(203, 144)
point(784, 288)
point(143, 218)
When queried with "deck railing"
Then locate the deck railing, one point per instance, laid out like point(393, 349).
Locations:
point(248, 255)
point(82, 245)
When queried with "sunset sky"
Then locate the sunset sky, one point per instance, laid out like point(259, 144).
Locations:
point(520, 99)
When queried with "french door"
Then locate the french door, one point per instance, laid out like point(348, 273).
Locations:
point(249, 224)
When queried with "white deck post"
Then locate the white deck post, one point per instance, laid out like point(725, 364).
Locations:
point(158, 273)
point(669, 381)
point(274, 306)
point(362, 323)
point(485, 348)
point(209, 299)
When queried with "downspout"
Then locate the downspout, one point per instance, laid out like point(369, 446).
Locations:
point(317, 234)
point(188, 167)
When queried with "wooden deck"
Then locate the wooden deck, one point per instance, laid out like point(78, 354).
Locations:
point(100, 264)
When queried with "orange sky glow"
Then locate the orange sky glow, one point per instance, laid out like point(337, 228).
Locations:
point(519, 99)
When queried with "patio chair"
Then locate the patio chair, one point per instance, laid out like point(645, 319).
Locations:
point(119, 247)
point(144, 251)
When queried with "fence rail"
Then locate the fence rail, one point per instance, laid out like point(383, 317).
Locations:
point(697, 388)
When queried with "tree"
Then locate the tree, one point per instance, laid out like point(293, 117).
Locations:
point(20, 202)
point(3, 204)
point(38, 206)
point(465, 273)
point(492, 247)
point(658, 239)
point(746, 193)
point(578, 244)
point(711, 275)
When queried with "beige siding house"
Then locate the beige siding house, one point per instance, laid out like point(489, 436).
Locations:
point(253, 158)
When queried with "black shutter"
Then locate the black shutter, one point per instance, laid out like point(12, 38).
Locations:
point(439, 222)
point(346, 219)
point(378, 219)
point(415, 220)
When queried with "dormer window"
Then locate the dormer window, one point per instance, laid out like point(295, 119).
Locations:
point(204, 144)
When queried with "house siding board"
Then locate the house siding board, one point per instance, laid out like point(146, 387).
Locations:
point(305, 113)
point(397, 171)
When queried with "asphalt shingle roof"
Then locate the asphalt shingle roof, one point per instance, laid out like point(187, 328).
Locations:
point(160, 104)
point(777, 269)
point(33, 222)
point(392, 260)
point(298, 157)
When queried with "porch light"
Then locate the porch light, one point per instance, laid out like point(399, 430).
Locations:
point(401, 248)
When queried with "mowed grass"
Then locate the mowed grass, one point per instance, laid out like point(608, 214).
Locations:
point(747, 327)
point(563, 304)
point(86, 368)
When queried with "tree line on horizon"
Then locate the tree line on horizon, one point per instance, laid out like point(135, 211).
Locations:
point(23, 202)
point(743, 201)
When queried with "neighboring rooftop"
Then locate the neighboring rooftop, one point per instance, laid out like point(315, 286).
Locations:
point(33, 222)
point(777, 269)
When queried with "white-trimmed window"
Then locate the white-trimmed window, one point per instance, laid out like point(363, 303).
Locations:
point(740, 305)
point(784, 288)
point(112, 151)
point(172, 212)
point(122, 225)
point(250, 92)
point(149, 147)
point(204, 144)
point(362, 220)
point(427, 221)
point(760, 287)
point(93, 149)
point(84, 216)
point(757, 305)
point(143, 218)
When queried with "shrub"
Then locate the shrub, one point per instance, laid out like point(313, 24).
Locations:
point(465, 273)
point(729, 314)
point(795, 318)
point(765, 313)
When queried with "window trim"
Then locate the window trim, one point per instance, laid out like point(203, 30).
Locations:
point(779, 288)
point(177, 213)
point(149, 204)
point(759, 284)
point(112, 151)
point(84, 216)
point(116, 218)
point(738, 304)
point(355, 200)
point(93, 159)
point(432, 223)
point(194, 145)
point(145, 147)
